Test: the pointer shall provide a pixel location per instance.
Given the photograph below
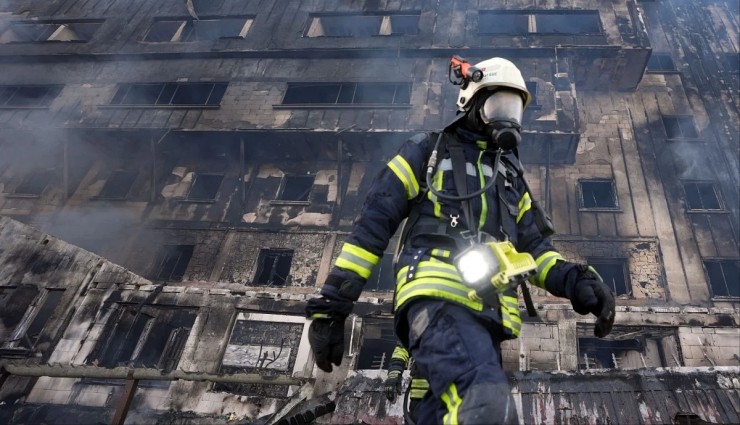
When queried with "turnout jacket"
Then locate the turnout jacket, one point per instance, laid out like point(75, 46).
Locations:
point(424, 266)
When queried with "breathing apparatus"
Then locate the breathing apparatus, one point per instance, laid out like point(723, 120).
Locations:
point(493, 97)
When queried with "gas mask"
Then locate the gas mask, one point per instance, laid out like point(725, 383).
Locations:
point(500, 115)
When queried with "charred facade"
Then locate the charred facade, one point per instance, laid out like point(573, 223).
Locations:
point(177, 177)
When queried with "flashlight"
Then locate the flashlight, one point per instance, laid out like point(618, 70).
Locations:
point(492, 268)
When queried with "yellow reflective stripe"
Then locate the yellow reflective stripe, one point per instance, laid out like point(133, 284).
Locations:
point(452, 401)
point(524, 205)
point(400, 353)
point(510, 314)
point(356, 259)
point(437, 183)
point(483, 196)
point(438, 288)
point(418, 394)
point(419, 384)
point(403, 171)
point(430, 269)
point(544, 263)
point(444, 253)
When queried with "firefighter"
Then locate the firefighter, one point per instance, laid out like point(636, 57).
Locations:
point(418, 388)
point(462, 185)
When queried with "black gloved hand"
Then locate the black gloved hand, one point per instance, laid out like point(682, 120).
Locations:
point(326, 333)
point(327, 342)
point(393, 385)
point(589, 294)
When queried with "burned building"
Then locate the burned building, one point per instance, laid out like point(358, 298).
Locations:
point(177, 177)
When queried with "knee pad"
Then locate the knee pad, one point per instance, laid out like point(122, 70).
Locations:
point(490, 403)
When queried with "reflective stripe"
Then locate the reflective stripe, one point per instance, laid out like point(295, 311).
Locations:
point(470, 169)
point(403, 171)
point(357, 260)
point(437, 183)
point(401, 354)
point(432, 268)
point(437, 288)
point(419, 388)
point(483, 196)
point(510, 313)
point(544, 263)
point(452, 401)
point(524, 205)
point(444, 253)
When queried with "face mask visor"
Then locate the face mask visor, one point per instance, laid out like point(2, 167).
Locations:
point(503, 105)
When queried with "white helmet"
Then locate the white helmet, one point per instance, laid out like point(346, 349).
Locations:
point(497, 72)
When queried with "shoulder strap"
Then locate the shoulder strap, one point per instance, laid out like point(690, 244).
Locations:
point(460, 175)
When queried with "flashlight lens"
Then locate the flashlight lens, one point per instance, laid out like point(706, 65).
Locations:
point(473, 266)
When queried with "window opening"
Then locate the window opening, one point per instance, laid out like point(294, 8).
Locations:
point(521, 22)
point(184, 30)
point(348, 93)
point(701, 196)
point(363, 25)
point(724, 277)
point(378, 342)
point(169, 94)
point(144, 336)
point(382, 277)
point(628, 348)
point(732, 63)
point(118, 185)
point(15, 302)
point(296, 188)
point(273, 266)
point(34, 183)
point(614, 273)
point(173, 262)
point(679, 127)
point(268, 345)
point(28, 96)
point(660, 62)
point(27, 32)
point(598, 194)
point(205, 187)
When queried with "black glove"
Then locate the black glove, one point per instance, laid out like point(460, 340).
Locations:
point(326, 333)
point(393, 385)
point(589, 294)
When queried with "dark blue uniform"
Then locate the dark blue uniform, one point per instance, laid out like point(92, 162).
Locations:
point(454, 340)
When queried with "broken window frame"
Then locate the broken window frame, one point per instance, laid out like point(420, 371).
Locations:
point(535, 19)
point(603, 266)
point(19, 339)
point(58, 31)
point(379, 25)
point(274, 255)
point(45, 177)
point(608, 208)
point(294, 180)
point(343, 95)
point(679, 127)
point(367, 359)
point(645, 338)
point(176, 271)
point(165, 95)
point(702, 189)
point(119, 332)
point(190, 197)
point(660, 63)
point(11, 96)
point(110, 190)
point(187, 30)
point(720, 268)
point(302, 350)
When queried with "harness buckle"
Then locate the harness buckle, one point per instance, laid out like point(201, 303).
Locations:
point(453, 220)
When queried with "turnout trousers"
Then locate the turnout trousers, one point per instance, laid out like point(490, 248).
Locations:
point(458, 353)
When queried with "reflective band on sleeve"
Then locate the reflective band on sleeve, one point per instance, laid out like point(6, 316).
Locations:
point(403, 171)
point(453, 401)
point(356, 259)
point(524, 205)
point(400, 353)
point(544, 263)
